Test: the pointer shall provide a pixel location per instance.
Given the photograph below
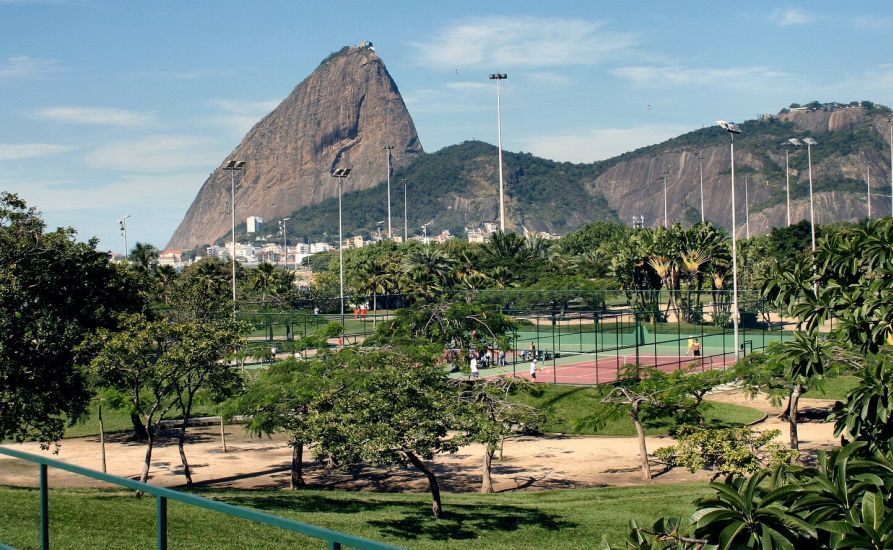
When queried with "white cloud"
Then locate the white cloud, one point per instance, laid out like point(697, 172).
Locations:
point(23, 66)
point(873, 23)
point(15, 151)
point(501, 42)
point(589, 145)
point(238, 117)
point(466, 85)
point(681, 75)
point(96, 115)
point(156, 154)
point(792, 17)
point(549, 79)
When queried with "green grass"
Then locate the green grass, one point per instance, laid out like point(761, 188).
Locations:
point(115, 420)
point(91, 518)
point(834, 388)
point(565, 406)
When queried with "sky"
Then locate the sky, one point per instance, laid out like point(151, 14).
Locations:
point(112, 108)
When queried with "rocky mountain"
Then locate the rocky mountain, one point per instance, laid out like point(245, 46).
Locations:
point(340, 115)
point(456, 187)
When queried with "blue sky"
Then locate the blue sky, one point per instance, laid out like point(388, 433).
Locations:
point(112, 108)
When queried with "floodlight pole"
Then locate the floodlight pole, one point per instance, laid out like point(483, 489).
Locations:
point(285, 244)
point(809, 143)
point(497, 77)
point(341, 174)
point(405, 222)
point(891, 165)
point(701, 173)
point(123, 223)
point(666, 216)
point(232, 167)
point(734, 256)
point(868, 186)
point(787, 185)
point(388, 149)
point(746, 209)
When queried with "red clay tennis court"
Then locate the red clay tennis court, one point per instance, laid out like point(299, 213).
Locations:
point(585, 369)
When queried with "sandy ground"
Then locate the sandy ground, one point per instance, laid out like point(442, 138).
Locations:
point(532, 463)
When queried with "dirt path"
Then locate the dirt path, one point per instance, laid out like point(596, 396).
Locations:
point(531, 463)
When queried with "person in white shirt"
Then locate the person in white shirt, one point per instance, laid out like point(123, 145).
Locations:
point(474, 366)
point(533, 369)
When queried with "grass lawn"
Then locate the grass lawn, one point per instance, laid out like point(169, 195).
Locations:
point(115, 420)
point(565, 406)
point(83, 519)
point(834, 388)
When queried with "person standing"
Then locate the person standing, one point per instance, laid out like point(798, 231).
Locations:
point(533, 369)
point(473, 365)
point(696, 348)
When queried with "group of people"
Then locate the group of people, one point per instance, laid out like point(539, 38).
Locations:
point(483, 360)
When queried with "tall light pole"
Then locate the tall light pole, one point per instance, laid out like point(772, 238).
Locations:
point(388, 149)
point(122, 224)
point(666, 173)
point(733, 129)
point(809, 143)
point(890, 120)
point(793, 142)
point(700, 158)
point(341, 174)
point(232, 167)
point(285, 243)
point(405, 221)
point(868, 186)
point(497, 77)
point(746, 209)
point(425, 231)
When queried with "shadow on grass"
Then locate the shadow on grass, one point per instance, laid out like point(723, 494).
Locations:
point(412, 520)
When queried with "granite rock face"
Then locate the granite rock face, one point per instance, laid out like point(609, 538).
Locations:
point(339, 116)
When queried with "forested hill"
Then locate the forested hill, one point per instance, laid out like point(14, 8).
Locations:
point(457, 187)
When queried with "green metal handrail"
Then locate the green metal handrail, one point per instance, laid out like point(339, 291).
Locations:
point(334, 539)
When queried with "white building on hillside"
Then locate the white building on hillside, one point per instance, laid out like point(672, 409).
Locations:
point(253, 225)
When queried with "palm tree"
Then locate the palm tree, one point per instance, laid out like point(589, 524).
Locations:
point(165, 278)
point(145, 256)
point(262, 278)
point(374, 279)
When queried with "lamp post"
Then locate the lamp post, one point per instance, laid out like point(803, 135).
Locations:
point(793, 142)
point(809, 143)
point(405, 221)
point(666, 173)
point(700, 158)
point(868, 186)
point(122, 224)
point(388, 149)
point(733, 129)
point(285, 243)
point(341, 174)
point(425, 231)
point(746, 209)
point(232, 167)
point(497, 77)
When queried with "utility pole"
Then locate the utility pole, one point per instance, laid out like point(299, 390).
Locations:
point(701, 173)
point(497, 77)
point(388, 149)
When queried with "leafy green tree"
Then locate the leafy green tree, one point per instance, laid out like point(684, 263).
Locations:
point(281, 399)
point(199, 360)
point(489, 415)
point(145, 256)
point(55, 294)
point(399, 410)
point(867, 414)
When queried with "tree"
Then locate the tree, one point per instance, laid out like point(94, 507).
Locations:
point(145, 256)
point(867, 414)
point(135, 360)
point(489, 416)
point(55, 294)
point(399, 409)
point(282, 398)
point(197, 358)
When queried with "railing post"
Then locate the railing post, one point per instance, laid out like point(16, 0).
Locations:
point(161, 522)
point(44, 509)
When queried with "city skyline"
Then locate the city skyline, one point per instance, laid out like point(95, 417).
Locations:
point(119, 109)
